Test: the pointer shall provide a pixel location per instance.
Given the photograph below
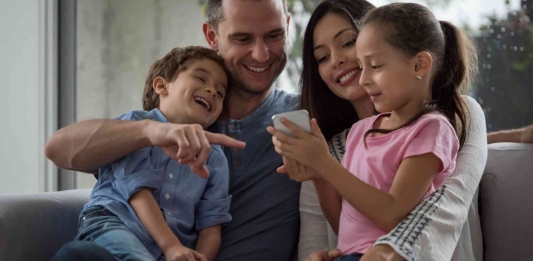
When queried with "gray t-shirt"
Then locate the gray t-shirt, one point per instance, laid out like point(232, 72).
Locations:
point(266, 219)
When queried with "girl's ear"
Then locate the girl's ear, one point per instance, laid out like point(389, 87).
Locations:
point(423, 64)
point(160, 86)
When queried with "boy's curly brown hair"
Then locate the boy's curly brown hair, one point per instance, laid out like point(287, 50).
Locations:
point(171, 65)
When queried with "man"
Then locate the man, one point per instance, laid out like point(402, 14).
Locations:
point(251, 37)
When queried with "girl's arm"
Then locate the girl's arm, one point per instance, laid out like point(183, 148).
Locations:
point(208, 242)
point(386, 210)
point(330, 202)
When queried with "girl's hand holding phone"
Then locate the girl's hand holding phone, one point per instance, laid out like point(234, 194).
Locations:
point(307, 148)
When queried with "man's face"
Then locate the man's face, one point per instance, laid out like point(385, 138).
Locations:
point(252, 39)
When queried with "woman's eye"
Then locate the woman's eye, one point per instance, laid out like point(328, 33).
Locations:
point(349, 43)
point(322, 59)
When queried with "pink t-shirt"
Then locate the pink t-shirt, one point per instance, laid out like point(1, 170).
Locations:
point(378, 163)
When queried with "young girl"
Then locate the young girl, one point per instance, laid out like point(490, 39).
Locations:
point(413, 70)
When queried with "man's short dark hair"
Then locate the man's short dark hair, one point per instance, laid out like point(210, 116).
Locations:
point(215, 14)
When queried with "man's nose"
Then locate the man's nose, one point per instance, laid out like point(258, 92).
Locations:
point(260, 52)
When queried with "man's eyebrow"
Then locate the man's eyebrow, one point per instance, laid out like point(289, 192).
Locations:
point(241, 34)
point(334, 37)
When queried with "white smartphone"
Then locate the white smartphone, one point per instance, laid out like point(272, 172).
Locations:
point(300, 118)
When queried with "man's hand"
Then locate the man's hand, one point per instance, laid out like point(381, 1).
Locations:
point(181, 253)
point(189, 144)
point(297, 171)
point(324, 255)
point(381, 253)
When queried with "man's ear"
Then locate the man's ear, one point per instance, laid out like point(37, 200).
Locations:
point(288, 23)
point(210, 35)
point(160, 86)
point(423, 63)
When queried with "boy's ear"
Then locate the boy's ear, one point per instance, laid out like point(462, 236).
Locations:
point(160, 86)
point(210, 35)
point(423, 63)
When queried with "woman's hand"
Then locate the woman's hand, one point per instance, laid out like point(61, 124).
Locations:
point(381, 253)
point(297, 171)
point(308, 149)
point(324, 255)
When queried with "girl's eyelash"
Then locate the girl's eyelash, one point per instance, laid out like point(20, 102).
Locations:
point(200, 78)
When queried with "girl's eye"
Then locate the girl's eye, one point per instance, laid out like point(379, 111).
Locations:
point(220, 94)
point(376, 67)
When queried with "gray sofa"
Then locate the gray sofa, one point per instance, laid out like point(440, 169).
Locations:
point(34, 227)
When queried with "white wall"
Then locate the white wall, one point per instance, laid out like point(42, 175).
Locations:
point(21, 149)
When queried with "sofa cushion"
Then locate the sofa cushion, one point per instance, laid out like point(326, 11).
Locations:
point(34, 227)
point(505, 202)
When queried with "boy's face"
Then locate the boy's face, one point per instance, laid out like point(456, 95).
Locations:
point(196, 95)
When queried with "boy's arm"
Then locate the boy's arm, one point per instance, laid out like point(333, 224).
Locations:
point(208, 242)
point(152, 219)
point(432, 229)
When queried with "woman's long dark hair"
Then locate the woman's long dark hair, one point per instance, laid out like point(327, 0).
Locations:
point(412, 28)
point(333, 114)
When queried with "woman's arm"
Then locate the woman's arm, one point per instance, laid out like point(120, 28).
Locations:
point(428, 233)
point(208, 242)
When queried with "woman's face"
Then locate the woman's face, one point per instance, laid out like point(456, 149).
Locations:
point(334, 49)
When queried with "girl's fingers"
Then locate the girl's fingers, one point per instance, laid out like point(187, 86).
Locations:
point(281, 136)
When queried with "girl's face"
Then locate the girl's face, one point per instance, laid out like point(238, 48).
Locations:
point(388, 75)
point(334, 49)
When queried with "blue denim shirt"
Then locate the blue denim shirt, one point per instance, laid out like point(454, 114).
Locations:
point(189, 203)
point(266, 220)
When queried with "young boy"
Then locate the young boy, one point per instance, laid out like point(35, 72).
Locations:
point(146, 206)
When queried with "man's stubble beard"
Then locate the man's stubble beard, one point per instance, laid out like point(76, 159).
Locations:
point(239, 84)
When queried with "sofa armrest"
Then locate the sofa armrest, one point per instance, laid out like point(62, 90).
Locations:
point(505, 207)
point(34, 227)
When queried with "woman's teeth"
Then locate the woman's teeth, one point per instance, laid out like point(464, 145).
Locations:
point(348, 75)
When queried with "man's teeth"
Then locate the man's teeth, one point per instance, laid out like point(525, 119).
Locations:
point(203, 102)
point(348, 75)
point(257, 69)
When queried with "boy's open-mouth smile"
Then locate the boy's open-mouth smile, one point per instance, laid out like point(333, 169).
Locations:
point(204, 102)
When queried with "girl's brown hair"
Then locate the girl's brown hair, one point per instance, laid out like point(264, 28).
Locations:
point(412, 28)
point(171, 65)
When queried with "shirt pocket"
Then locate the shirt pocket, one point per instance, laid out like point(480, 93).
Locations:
point(192, 185)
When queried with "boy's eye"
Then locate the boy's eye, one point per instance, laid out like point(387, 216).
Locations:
point(200, 78)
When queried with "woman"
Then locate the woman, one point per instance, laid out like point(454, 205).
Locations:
point(329, 70)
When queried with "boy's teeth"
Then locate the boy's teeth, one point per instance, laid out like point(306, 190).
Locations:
point(345, 77)
point(257, 69)
point(204, 102)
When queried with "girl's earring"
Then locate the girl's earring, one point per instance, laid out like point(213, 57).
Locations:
point(419, 77)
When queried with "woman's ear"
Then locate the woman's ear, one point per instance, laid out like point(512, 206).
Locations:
point(160, 86)
point(423, 64)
